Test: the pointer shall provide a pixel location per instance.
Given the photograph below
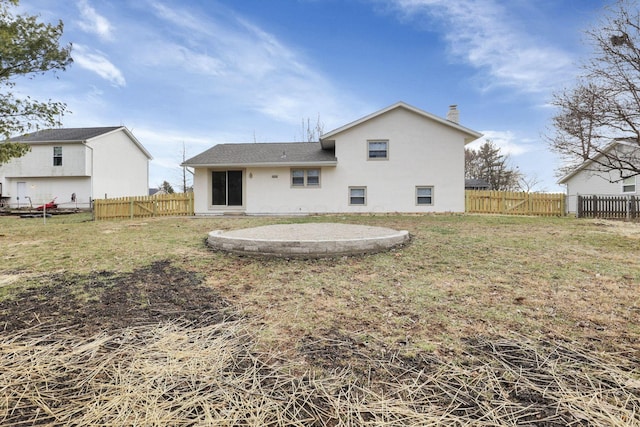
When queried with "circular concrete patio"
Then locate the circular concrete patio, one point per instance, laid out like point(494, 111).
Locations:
point(310, 240)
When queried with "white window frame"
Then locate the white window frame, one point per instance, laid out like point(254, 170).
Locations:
point(364, 196)
point(630, 184)
point(377, 141)
point(57, 154)
point(304, 174)
point(418, 196)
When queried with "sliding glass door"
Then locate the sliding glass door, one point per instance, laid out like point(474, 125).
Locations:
point(227, 188)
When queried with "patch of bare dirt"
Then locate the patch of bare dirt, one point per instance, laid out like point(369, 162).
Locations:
point(507, 380)
point(106, 301)
point(624, 228)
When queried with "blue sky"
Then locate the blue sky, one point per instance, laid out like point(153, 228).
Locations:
point(203, 72)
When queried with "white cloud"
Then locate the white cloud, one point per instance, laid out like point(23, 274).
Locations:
point(507, 141)
point(92, 22)
point(245, 64)
point(168, 54)
point(97, 62)
point(483, 34)
point(160, 138)
point(180, 18)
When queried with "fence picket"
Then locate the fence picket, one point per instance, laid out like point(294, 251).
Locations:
point(176, 204)
point(611, 207)
point(514, 203)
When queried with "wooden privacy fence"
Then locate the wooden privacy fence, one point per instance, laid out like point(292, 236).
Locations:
point(613, 207)
point(514, 203)
point(177, 204)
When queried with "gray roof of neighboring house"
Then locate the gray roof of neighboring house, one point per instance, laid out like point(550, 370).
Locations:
point(64, 135)
point(476, 183)
point(75, 135)
point(264, 154)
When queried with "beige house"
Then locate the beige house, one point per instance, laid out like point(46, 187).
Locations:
point(398, 159)
point(75, 166)
point(592, 178)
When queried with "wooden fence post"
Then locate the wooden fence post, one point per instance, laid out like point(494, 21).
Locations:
point(579, 206)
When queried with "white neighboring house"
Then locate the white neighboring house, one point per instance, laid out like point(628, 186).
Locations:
point(591, 178)
point(75, 166)
point(398, 159)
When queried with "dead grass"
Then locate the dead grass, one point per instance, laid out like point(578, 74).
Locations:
point(528, 286)
point(183, 374)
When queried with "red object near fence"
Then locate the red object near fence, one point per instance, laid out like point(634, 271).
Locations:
point(50, 205)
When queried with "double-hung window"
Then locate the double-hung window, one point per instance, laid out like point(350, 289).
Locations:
point(57, 156)
point(305, 177)
point(424, 196)
point(378, 150)
point(629, 184)
point(357, 196)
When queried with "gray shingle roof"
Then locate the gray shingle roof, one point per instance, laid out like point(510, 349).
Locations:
point(66, 135)
point(476, 183)
point(263, 153)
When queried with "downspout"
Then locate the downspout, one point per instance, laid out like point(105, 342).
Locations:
point(90, 177)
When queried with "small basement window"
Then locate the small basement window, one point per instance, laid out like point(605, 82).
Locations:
point(424, 196)
point(357, 196)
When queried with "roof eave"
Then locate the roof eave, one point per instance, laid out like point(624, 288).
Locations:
point(259, 164)
point(582, 166)
point(328, 139)
point(70, 141)
point(129, 134)
point(570, 175)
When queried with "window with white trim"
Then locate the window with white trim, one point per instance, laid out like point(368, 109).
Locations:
point(357, 196)
point(424, 196)
point(57, 156)
point(629, 184)
point(378, 150)
point(305, 177)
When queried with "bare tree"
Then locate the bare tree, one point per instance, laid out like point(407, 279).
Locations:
point(528, 184)
point(187, 185)
point(312, 134)
point(599, 119)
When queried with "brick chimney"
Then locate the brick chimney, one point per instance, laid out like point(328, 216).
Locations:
point(453, 115)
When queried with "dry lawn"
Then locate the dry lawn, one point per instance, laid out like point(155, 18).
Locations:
point(480, 320)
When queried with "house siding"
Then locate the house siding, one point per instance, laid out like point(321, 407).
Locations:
point(589, 182)
point(39, 162)
point(421, 152)
point(43, 190)
point(109, 165)
point(120, 168)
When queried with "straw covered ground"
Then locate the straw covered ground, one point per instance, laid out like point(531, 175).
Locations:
point(183, 374)
point(180, 336)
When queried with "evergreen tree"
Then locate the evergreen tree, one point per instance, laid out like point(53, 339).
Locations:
point(488, 164)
